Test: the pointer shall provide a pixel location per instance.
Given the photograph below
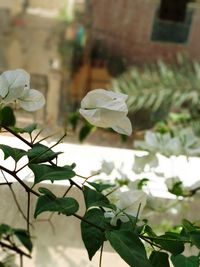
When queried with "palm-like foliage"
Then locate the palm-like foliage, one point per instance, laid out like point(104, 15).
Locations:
point(160, 85)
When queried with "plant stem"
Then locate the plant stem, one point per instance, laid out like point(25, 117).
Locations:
point(14, 248)
point(14, 196)
point(28, 212)
point(88, 222)
point(101, 255)
point(18, 136)
point(28, 189)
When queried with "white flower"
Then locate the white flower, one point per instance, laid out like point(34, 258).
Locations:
point(140, 163)
point(128, 202)
point(15, 86)
point(106, 109)
point(107, 167)
point(160, 143)
point(190, 143)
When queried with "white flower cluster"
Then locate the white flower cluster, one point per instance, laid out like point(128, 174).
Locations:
point(183, 142)
point(15, 87)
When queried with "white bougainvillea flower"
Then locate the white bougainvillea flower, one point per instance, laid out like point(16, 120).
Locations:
point(128, 202)
point(15, 86)
point(182, 142)
point(107, 109)
point(155, 142)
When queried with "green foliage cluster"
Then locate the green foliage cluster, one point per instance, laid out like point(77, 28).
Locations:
point(160, 88)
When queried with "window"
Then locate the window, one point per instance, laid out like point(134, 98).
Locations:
point(173, 10)
point(172, 21)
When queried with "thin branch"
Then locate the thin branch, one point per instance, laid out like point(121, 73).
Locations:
point(101, 255)
point(88, 222)
point(192, 192)
point(164, 239)
point(115, 189)
point(14, 196)
point(36, 157)
point(44, 138)
point(28, 212)
point(67, 191)
point(87, 178)
point(151, 243)
point(18, 136)
point(33, 140)
point(14, 248)
point(8, 183)
point(21, 260)
point(28, 189)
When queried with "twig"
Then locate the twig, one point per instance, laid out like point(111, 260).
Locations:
point(14, 248)
point(88, 222)
point(14, 196)
point(67, 191)
point(21, 260)
point(28, 189)
point(101, 255)
point(18, 136)
point(28, 212)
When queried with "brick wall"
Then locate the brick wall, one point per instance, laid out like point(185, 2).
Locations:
point(126, 25)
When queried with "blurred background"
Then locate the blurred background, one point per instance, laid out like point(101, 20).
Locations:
point(148, 49)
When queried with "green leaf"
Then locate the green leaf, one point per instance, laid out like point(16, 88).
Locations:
point(84, 131)
point(159, 259)
point(46, 191)
point(92, 236)
point(28, 129)
point(149, 231)
point(12, 152)
point(177, 189)
point(170, 242)
point(192, 232)
point(142, 183)
point(195, 238)
point(95, 199)
point(24, 238)
point(44, 172)
point(40, 153)
point(1, 264)
point(129, 247)
point(100, 186)
point(73, 119)
point(66, 205)
point(7, 117)
point(182, 261)
point(5, 229)
point(188, 226)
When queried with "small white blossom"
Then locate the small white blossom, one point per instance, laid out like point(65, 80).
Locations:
point(141, 162)
point(160, 143)
point(15, 86)
point(107, 167)
point(106, 109)
point(183, 142)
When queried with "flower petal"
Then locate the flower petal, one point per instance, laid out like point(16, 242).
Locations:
point(101, 98)
point(32, 100)
point(123, 126)
point(108, 119)
point(3, 86)
point(17, 80)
